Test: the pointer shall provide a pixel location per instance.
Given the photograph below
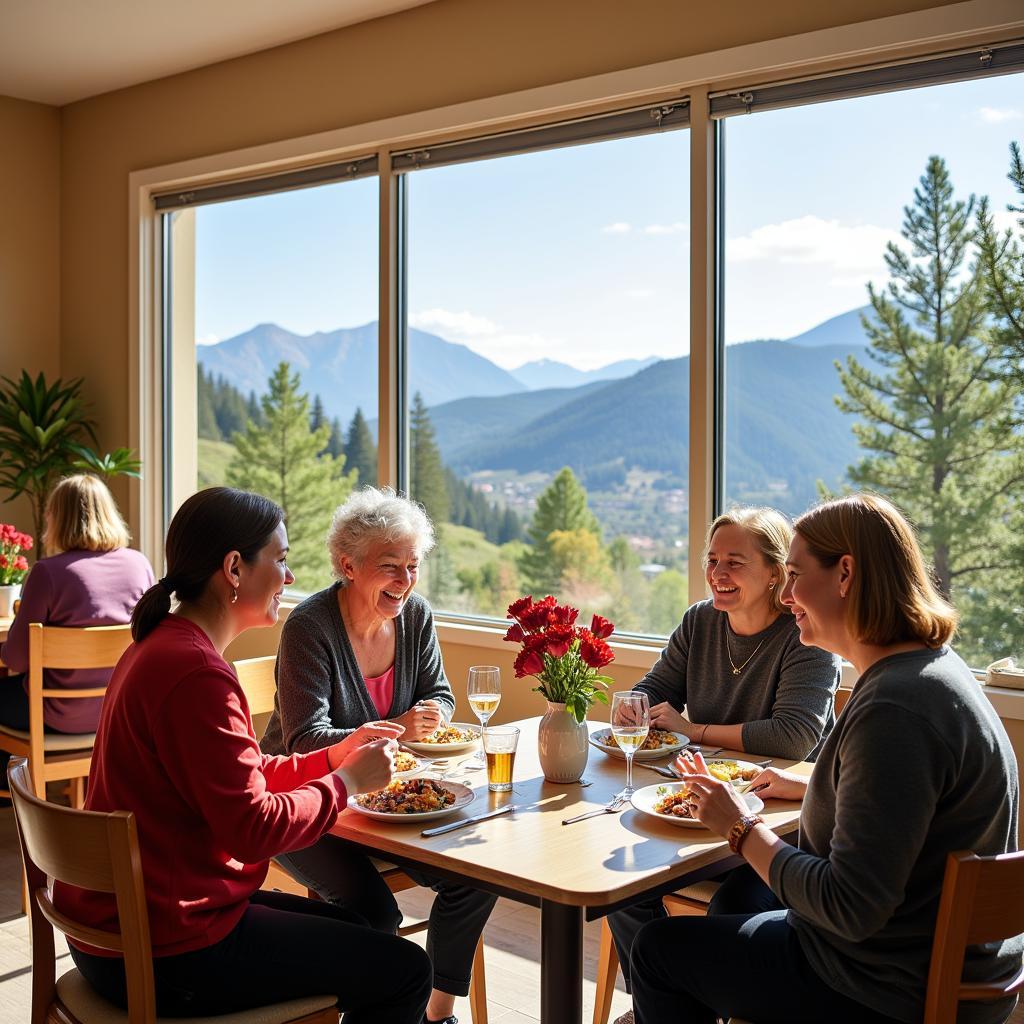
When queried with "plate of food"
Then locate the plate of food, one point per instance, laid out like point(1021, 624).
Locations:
point(659, 743)
point(739, 773)
point(413, 800)
point(406, 765)
point(671, 802)
point(448, 739)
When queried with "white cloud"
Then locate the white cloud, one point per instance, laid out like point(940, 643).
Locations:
point(620, 227)
point(675, 228)
point(997, 115)
point(809, 240)
point(461, 325)
point(208, 339)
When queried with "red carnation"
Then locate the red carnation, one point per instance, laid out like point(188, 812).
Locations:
point(517, 608)
point(21, 563)
point(535, 617)
point(515, 633)
point(563, 614)
point(24, 542)
point(528, 663)
point(4, 564)
point(594, 651)
point(601, 627)
point(559, 639)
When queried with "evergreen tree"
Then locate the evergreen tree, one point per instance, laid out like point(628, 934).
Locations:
point(511, 527)
point(561, 507)
point(317, 418)
point(207, 425)
point(937, 418)
point(360, 449)
point(336, 442)
point(254, 411)
point(426, 478)
point(282, 461)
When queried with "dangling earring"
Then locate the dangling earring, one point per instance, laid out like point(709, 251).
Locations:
point(771, 586)
point(234, 595)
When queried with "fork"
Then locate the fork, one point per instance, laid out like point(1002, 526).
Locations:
point(666, 773)
point(613, 807)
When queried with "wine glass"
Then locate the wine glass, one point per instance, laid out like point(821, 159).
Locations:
point(631, 719)
point(484, 691)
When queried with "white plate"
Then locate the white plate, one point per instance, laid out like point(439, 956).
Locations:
point(645, 799)
point(443, 749)
point(614, 750)
point(422, 765)
point(463, 796)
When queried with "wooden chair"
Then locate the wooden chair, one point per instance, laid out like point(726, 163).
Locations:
point(256, 676)
point(100, 852)
point(55, 756)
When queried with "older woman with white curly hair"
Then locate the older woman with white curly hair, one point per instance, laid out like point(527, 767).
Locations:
point(366, 649)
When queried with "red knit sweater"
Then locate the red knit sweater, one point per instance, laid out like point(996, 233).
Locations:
point(176, 746)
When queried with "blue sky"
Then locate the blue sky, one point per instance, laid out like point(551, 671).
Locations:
point(581, 254)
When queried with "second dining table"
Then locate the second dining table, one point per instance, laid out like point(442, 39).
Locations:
point(576, 872)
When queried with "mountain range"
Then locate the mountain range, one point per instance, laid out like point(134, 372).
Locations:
point(783, 430)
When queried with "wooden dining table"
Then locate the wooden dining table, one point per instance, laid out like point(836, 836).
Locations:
point(573, 872)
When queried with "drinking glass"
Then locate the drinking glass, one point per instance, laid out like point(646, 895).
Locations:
point(631, 719)
point(484, 692)
point(500, 744)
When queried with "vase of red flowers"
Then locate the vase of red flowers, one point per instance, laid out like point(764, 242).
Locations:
point(13, 566)
point(566, 660)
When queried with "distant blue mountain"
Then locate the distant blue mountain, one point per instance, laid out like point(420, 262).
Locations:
point(845, 331)
point(548, 373)
point(341, 366)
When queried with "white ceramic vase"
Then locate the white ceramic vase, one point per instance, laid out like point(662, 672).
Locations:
point(8, 595)
point(562, 745)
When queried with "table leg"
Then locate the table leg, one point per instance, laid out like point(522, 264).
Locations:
point(561, 963)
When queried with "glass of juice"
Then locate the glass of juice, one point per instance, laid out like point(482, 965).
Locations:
point(500, 742)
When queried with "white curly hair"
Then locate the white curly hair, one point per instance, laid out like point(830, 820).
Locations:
point(371, 516)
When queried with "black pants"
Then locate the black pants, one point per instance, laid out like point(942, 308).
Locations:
point(741, 892)
point(284, 947)
point(693, 970)
point(13, 714)
point(347, 878)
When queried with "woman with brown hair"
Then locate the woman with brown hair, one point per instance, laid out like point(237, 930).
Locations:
point(917, 766)
point(91, 578)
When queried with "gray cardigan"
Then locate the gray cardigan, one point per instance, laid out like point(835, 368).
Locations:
point(321, 696)
point(918, 766)
point(784, 695)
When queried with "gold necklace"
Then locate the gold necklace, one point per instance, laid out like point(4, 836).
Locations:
point(736, 671)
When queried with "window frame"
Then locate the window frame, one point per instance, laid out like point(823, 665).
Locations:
point(700, 78)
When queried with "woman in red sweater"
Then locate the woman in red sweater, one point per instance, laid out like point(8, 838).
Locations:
point(176, 746)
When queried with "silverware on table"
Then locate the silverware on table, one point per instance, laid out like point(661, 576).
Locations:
point(452, 826)
point(612, 807)
point(661, 770)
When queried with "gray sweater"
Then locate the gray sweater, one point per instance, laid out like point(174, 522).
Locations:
point(918, 766)
point(784, 696)
point(321, 696)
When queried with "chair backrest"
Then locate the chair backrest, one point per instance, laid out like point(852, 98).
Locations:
point(982, 901)
point(256, 676)
point(92, 850)
point(842, 696)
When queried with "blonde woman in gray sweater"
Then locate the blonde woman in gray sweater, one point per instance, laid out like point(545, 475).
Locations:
point(856, 900)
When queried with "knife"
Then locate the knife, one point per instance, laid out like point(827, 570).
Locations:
point(441, 829)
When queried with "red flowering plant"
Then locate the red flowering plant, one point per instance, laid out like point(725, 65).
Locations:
point(13, 564)
point(564, 657)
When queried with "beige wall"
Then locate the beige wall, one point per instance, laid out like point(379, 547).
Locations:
point(29, 250)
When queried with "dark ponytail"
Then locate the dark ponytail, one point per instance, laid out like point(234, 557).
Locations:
point(206, 527)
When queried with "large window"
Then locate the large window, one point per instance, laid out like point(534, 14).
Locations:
point(862, 345)
point(548, 377)
point(279, 293)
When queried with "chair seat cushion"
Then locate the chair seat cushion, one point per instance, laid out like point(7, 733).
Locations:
point(57, 742)
point(89, 1008)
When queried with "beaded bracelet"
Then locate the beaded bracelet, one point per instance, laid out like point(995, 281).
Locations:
point(739, 832)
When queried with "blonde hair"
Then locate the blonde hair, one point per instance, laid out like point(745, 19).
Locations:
point(892, 598)
point(81, 515)
point(371, 516)
point(772, 535)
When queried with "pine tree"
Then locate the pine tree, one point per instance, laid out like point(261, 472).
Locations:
point(281, 460)
point(207, 425)
point(360, 450)
point(335, 442)
point(316, 417)
point(561, 507)
point(254, 411)
point(511, 527)
point(426, 477)
point(937, 418)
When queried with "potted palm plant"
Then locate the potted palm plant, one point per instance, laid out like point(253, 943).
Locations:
point(43, 430)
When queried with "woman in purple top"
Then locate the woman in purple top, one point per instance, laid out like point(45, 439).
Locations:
point(92, 579)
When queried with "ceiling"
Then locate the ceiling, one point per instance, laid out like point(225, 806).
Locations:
point(59, 51)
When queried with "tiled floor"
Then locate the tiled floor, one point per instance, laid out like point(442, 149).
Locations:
point(512, 943)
